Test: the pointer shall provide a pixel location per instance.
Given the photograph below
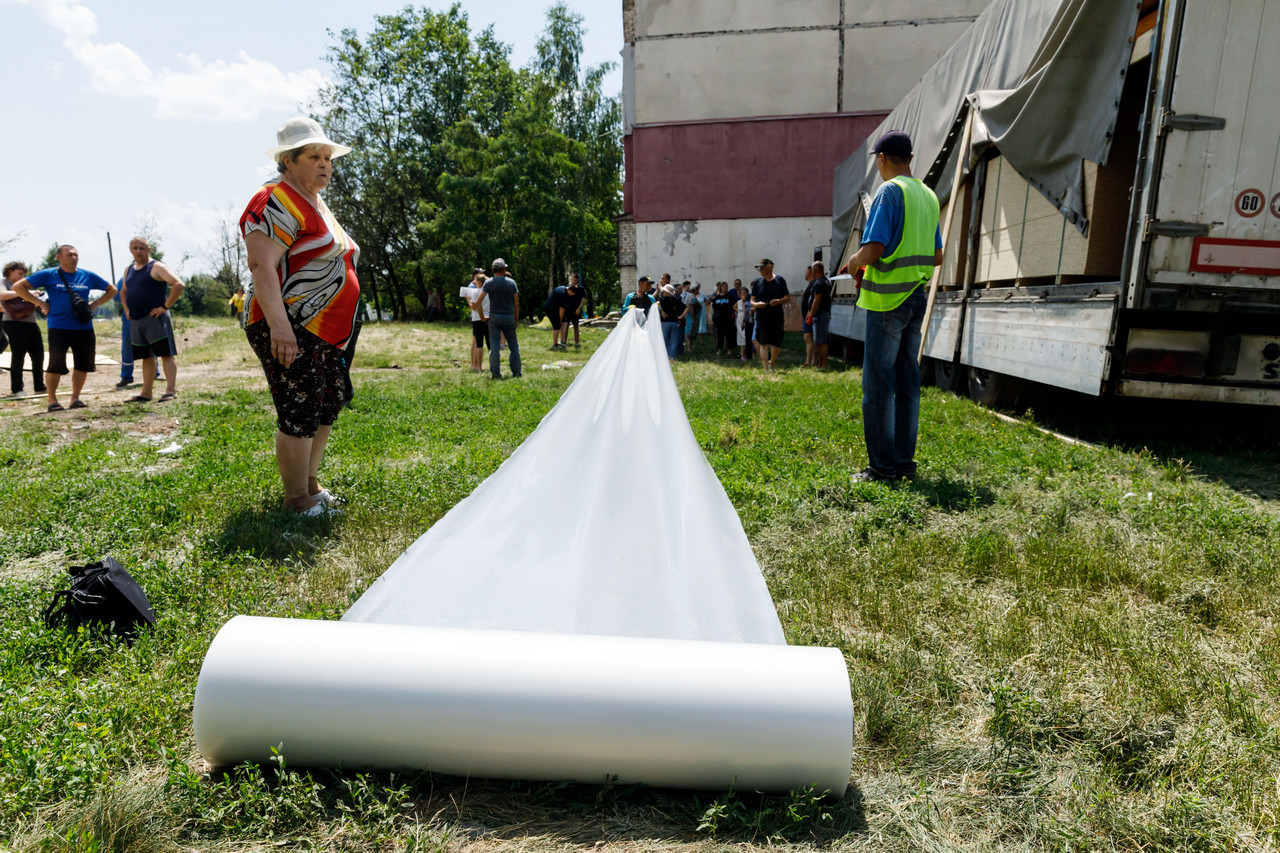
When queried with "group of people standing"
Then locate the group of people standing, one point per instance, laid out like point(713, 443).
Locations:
point(900, 248)
point(495, 309)
point(148, 291)
point(302, 319)
point(751, 320)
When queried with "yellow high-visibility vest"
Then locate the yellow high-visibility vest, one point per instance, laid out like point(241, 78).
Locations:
point(892, 278)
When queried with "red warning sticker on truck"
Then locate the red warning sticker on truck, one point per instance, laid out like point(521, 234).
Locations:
point(1250, 203)
point(1239, 257)
point(1275, 205)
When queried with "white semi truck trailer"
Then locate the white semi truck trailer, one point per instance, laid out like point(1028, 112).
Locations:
point(1158, 274)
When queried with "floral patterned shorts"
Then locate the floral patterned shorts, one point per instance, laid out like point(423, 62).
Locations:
point(308, 393)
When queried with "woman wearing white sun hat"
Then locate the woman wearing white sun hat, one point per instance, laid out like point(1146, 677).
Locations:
point(302, 311)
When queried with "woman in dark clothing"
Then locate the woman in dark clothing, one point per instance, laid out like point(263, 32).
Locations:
point(722, 318)
point(22, 330)
point(673, 313)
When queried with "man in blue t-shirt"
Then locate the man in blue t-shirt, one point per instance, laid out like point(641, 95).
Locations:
point(65, 331)
point(904, 216)
point(504, 314)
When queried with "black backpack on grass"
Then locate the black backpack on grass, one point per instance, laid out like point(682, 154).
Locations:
point(102, 593)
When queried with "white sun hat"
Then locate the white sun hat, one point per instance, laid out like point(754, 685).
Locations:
point(300, 131)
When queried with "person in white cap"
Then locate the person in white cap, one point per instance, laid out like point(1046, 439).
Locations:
point(302, 311)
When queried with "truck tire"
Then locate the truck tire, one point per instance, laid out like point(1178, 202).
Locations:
point(948, 375)
point(986, 388)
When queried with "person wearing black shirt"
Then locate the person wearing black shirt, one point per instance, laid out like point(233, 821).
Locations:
point(673, 313)
point(722, 318)
point(570, 310)
point(818, 314)
point(805, 325)
point(769, 297)
point(641, 298)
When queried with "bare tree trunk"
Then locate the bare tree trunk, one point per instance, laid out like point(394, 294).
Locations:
point(423, 296)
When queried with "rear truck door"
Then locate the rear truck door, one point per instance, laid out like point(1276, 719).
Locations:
point(1212, 224)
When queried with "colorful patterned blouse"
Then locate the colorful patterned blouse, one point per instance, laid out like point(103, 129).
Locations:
point(318, 270)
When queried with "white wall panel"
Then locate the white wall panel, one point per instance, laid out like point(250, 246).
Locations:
point(712, 250)
point(668, 17)
point(736, 76)
point(856, 11)
point(882, 64)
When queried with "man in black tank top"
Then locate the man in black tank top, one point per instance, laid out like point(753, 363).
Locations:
point(149, 291)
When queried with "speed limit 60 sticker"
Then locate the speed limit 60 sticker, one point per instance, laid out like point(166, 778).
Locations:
point(1250, 203)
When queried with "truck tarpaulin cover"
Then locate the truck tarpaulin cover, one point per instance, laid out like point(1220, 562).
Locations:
point(592, 611)
point(1043, 78)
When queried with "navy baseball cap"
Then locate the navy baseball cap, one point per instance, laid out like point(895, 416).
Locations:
point(895, 143)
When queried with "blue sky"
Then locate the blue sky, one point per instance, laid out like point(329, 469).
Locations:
point(119, 113)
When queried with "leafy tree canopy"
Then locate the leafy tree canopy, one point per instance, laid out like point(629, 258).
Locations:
point(460, 158)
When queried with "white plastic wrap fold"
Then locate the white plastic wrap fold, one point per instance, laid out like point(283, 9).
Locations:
point(606, 520)
point(668, 713)
point(622, 632)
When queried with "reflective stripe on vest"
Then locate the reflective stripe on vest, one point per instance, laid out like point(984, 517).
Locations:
point(892, 278)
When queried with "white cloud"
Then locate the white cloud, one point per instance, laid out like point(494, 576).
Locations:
point(231, 91)
point(113, 69)
point(238, 91)
point(187, 229)
point(69, 17)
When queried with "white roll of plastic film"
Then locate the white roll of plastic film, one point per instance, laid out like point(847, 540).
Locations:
point(525, 705)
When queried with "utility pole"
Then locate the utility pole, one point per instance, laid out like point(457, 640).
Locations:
point(111, 258)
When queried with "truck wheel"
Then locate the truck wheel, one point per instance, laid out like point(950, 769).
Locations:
point(948, 375)
point(927, 371)
point(985, 387)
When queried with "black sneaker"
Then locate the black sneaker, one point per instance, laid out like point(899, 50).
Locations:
point(871, 475)
point(125, 383)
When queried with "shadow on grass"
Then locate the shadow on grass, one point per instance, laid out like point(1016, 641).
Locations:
point(939, 491)
point(1234, 444)
point(949, 494)
point(273, 534)
point(595, 814)
point(494, 809)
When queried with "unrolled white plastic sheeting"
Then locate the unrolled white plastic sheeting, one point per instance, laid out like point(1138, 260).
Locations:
point(592, 611)
point(606, 520)
point(522, 705)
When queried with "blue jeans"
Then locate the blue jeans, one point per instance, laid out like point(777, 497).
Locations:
point(498, 327)
point(891, 386)
point(126, 347)
point(670, 333)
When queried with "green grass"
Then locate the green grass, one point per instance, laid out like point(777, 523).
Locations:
point(1050, 646)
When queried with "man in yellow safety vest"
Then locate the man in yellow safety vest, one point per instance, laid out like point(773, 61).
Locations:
point(901, 245)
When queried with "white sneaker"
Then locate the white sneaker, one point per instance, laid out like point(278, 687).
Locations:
point(320, 508)
point(326, 497)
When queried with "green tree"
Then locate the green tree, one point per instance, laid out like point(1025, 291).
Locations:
point(394, 96)
point(583, 113)
point(205, 295)
point(511, 194)
point(459, 158)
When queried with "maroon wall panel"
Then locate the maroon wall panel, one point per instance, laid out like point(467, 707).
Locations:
point(745, 169)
